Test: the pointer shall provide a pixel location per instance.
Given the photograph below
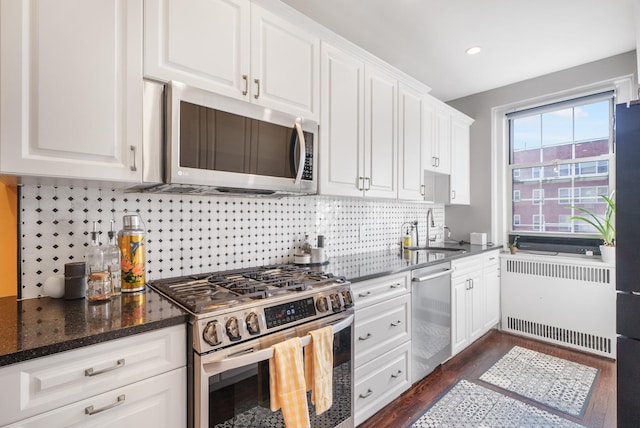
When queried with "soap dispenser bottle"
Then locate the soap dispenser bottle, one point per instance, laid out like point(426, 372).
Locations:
point(98, 278)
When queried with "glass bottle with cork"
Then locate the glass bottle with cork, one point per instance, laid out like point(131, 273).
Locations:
point(131, 243)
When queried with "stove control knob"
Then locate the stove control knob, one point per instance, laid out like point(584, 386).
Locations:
point(212, 333)
point(321, 304)
point(348, 300)
point(233, 327)
point(336, 302)
point(253, 323)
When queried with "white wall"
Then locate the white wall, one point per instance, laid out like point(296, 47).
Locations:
point(478, 216)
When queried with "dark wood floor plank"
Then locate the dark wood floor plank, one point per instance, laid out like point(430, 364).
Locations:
point(479, 357)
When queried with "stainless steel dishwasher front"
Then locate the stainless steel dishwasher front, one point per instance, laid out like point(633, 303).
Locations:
point(431, 318)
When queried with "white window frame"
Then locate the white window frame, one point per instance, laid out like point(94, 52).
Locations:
point(540, 224)
point(539, 200)
point(516, 195)
point(516, 219)
point(568, 198)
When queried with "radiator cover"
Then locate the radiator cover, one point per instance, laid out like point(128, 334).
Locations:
point(561, 300)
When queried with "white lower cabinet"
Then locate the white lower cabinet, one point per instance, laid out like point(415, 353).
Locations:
point(475, 298)
point(156, 402)
point(138, 381)
point(382, 342)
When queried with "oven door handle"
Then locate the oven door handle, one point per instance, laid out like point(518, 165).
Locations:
point(252, 357)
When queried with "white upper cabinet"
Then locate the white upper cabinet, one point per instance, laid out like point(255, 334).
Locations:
point(71, 89)
point(441, 143)
point(411, 143)
point(460, 161)
point(342, 123)
point(358, 128)
point(234, 48)
point(380, 134)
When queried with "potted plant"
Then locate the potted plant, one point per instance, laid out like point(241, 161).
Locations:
point(513, 246)
point(604, 225)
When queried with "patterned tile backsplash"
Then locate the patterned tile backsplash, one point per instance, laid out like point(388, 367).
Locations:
point(193, 234)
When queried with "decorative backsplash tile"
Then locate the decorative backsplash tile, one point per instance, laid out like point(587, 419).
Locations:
point(193, 234)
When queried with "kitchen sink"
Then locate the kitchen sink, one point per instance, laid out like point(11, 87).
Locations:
point(437, 249)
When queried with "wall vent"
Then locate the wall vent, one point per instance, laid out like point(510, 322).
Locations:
point(563, 300)
point(561, 335)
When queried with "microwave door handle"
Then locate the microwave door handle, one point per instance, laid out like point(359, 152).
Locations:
point(303, 151)
point(253, 357)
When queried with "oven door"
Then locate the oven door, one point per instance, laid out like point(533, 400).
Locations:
point(232, 386)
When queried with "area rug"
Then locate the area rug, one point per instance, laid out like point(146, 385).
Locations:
point(470, 405)
point(552, 381)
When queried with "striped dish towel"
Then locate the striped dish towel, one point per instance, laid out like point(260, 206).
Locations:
point(318, 368)
point(287, 387)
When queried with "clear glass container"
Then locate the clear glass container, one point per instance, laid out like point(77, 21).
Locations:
point(113, 256)
point(97, 270)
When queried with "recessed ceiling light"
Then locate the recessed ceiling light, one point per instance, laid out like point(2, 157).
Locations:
point(474, 50)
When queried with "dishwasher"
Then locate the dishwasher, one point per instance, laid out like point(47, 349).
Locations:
point(430, 318)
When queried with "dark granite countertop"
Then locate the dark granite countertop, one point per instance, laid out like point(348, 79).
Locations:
point(363, 266)
point(35, 328)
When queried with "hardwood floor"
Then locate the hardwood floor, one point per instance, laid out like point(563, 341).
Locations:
point(475, 360)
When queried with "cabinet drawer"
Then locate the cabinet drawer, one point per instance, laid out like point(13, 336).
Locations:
point(380, 328)
point(491, 259)
point(382, 380)
point(466, 265)
point(369, 292)
point(46, 383)
point(158, 402)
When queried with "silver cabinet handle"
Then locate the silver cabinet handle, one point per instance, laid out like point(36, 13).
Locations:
point(433, 161)
point(257, 82)
point(467, 286)
point(397, 375)
point(91, 372)
point(422, 190)
point(368, 181)
point(91, 411)
point(396, 324)
point(492, 258)
point(368, 393)
point(453, 194)
point(246, 84)
point(360, 179)
point(438, 162)
point(368, 293)
point(133, 151)
point(395, 286)
point(368, 336)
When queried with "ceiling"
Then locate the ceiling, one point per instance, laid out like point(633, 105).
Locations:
point(520, 39)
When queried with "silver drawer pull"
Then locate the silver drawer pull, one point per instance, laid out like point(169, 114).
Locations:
point(396, 324)
point(368, 293)
point(368, 336)
point(90, 410)
point(397, 375)
point(368, 393)
point(91, 372)
point(395, 286)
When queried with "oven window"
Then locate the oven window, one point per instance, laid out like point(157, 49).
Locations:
point(240, 398)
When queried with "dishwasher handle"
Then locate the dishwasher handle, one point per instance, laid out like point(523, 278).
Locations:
point(432, 276)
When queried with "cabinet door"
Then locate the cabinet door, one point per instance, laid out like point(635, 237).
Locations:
point(285, 65)
point(491, 279)
point(476, 306)
point(71, 89)
point(430, 149)
point(160, 401)
point(203, 43)
point(410, 144)
point(460, 163)
point(341, 137)
point(442, 141)
point(459, 335)
point(380, 134)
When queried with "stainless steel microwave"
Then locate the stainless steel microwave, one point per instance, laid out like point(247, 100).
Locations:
point(214, 144)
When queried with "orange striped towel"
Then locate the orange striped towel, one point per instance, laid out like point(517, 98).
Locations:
point(318, 368)
point(286, 383)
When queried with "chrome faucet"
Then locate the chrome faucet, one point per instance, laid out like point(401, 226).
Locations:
point(429, 225)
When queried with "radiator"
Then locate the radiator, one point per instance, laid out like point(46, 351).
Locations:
point(561, 300)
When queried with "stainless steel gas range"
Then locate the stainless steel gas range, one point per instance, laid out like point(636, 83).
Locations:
point(236, 316)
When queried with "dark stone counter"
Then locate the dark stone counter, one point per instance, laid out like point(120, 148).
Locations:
point(35, 328)
point(363, 266)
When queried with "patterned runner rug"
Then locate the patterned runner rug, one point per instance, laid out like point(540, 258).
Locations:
point(554, 382)
point(470, 405)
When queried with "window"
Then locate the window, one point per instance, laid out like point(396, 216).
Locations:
point(537, 196)
point(559, 159)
